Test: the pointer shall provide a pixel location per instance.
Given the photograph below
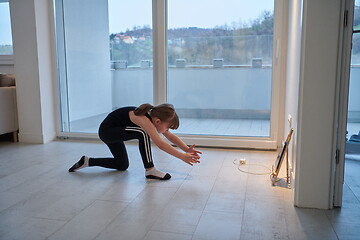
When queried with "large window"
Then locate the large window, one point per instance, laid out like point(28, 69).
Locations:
point(5, 29)
point(212, 60)
point(220, 66)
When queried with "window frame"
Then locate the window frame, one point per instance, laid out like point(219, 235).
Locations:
point(159, 12)
point(160, 82)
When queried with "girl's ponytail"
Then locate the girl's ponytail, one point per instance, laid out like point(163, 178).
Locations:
point(142, 109)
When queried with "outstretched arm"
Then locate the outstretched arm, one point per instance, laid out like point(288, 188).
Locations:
point(176, 140)
point(145, 124)
point(179, 143)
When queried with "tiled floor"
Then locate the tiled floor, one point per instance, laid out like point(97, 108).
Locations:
point(40, 199)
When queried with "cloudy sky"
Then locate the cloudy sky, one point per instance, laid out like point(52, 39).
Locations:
point(181, 13)
point(186, 13)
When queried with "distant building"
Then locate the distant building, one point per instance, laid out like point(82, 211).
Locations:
point(128, 39)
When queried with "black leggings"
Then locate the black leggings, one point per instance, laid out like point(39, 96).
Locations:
point(114, 138)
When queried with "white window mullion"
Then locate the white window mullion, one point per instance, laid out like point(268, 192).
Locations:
point(159, 50)
point(277, 120)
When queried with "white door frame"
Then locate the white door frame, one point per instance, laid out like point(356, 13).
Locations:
point(278, 78)
point(342, 102)
point(159, 10)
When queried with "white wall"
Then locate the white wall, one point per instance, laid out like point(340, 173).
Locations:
point(34, 69)
point(87, 57)
point(315, 126)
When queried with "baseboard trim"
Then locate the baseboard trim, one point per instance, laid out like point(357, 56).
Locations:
point(36, 138)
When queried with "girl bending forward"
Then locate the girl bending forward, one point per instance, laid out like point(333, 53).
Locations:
point(143, 123)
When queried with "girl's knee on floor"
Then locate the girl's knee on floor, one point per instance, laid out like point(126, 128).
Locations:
point(122, 167)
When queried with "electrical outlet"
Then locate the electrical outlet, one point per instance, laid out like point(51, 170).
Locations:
point(290, 120)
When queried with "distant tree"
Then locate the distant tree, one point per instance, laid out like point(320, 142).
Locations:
point(263, 25)
point(237, 43)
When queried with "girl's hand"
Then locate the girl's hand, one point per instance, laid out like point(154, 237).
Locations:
point(192, 150)
point(191, 158)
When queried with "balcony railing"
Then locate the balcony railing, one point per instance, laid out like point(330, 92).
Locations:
point(237, 97)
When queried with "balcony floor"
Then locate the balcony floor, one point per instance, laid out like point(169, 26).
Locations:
point(225, 127)
point(213, 127)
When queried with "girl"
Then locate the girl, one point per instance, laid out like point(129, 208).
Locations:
point(142, 123)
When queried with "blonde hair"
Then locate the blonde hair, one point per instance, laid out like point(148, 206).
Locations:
point(165, 112)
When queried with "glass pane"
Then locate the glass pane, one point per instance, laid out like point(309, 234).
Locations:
point(104, 61)
point(5, 30)
point(353, 121)
point(131, 52)
point(357, 15)
point(220, 66)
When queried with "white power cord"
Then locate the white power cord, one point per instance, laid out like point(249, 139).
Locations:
point(242, 162)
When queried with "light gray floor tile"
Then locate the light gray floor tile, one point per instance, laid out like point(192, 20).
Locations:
point(352, 168)
point(8, 199)
point(22, 176)
point(350, 210)
point(15, 225)
point(132, 223)
point(264, 218)
point(198, 184)
point(308, 224)
point(90, 222)
point(156, 235)
point(137, 218)
point(205, 170)
point(123, 191)
point(226, 202)
point(38, 183)
point(262, 186)
point(51, 206)
point(219, 225)
point(347, 231)
point(194, 193)
point(178, 220)
point(230, 186)
point(34, 205)
point(232, 173)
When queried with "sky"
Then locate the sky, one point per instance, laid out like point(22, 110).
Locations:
point(181, 13)
point(5, 30)
point(186, 13)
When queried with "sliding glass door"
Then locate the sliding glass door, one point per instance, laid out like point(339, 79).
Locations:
point(220, 66)
point(212, 60)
